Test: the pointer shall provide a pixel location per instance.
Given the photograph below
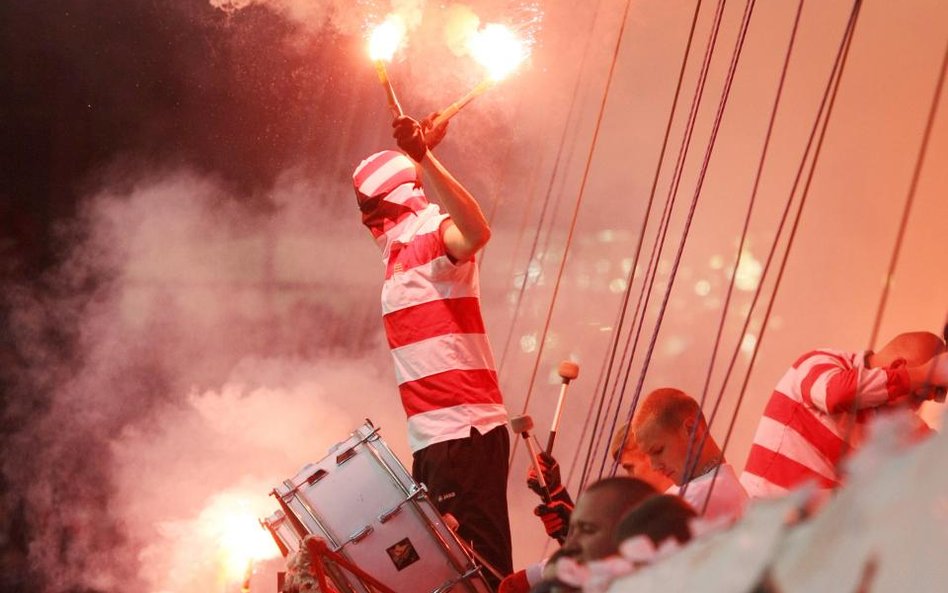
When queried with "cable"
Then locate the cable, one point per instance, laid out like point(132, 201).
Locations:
point(549, 190)
point(638, 246)
point(579, 201)
point(690, 214)
point(693, 454)
point(832, 89)
point(651, 269)
point(913, 186)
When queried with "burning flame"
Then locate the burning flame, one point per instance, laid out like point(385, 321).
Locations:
point(386, 37)
point(498, 49)
point(239, 539)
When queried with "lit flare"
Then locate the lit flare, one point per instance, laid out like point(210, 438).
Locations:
point(240, 542)
point(383, 43)
point(498, 49)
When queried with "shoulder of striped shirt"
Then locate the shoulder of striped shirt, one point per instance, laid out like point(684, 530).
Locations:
point(823, 355)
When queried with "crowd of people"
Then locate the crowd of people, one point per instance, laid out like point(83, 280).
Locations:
point(676, 471)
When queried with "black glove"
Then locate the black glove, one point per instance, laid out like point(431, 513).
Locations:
point(551, 474)
point(555, 517)
point(410, 137)
point(433, 135)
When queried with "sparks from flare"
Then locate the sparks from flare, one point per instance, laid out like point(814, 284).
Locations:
point(385, 38)
point(383, 43)
point(498, 49)
point(239, 538)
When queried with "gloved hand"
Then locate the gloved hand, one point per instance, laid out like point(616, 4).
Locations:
point(410, 137)
point(555, 517)
point(433, 135)
point(551, 473)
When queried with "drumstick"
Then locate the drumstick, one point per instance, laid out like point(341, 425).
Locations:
point(568, 371)
point(522, 426)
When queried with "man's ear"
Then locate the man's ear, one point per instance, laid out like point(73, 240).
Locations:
point(688, 425)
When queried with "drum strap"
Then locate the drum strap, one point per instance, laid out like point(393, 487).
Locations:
point(319, 553)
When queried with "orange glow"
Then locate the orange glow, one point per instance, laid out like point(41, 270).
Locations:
point(385, 38)
point(240, 539)
point(497, 49)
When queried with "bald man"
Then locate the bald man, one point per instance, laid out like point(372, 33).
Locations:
point(819, 409)
point(669, 427)
point(598, 511)
point(591, 527)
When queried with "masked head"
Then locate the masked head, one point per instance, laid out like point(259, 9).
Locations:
point(388, 191)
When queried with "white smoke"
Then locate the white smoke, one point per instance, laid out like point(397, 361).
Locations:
point(218, 348)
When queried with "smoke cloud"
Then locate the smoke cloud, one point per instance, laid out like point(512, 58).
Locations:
point(180, 376)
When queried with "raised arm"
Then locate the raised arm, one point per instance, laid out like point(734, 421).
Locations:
point(468, 231)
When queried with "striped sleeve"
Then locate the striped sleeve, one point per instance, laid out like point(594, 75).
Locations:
point(833, 384)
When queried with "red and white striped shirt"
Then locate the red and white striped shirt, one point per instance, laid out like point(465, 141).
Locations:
point(809, 424)
point(431, 312)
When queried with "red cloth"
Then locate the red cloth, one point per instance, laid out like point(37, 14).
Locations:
point(515, 583)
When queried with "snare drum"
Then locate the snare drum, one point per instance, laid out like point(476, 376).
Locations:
point(365, 504)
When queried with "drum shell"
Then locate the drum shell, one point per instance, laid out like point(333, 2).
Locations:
point(365, 504)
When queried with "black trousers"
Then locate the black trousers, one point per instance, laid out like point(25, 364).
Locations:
point(468, 478)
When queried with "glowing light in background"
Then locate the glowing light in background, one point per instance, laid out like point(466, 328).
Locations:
point(230, 522)
point(748, 344)
point(386, 37)
point(606, 236)
point(528, 343)
point(533, 276)
point(675, 345)
point(748, 272)
point(617, 285)
point(702, 288)
point(498, 50)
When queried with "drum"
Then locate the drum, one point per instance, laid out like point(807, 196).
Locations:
point(282, 531)
point(365, 504)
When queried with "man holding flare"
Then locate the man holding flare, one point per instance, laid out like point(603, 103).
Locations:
point(431, 313)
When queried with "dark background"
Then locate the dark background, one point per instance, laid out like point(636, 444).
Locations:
point(94, 90)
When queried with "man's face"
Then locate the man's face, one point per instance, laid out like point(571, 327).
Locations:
point(638, 465)
point(667, 449)
point(591, 526)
